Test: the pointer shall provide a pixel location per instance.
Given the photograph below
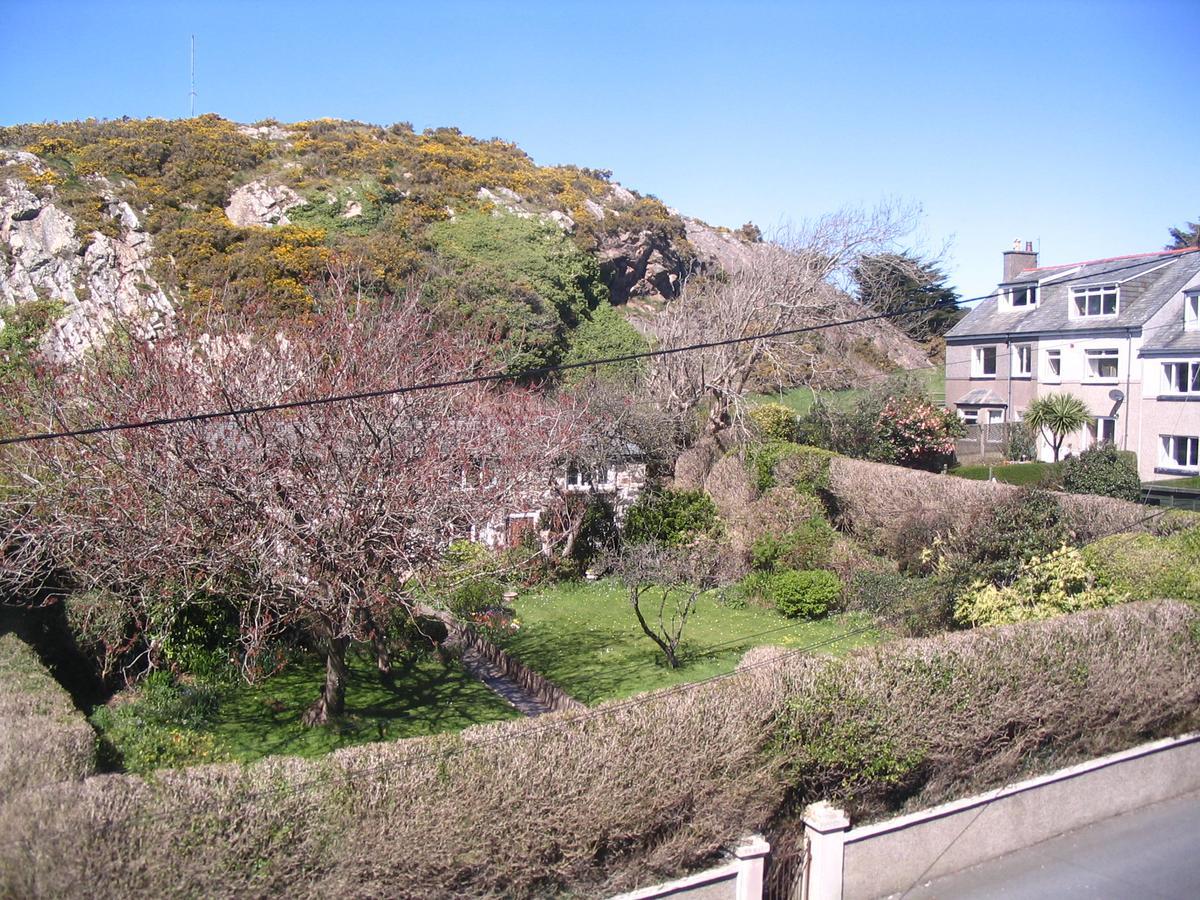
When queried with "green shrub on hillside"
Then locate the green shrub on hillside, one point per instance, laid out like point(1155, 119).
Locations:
point(775, 422)
point(675, 518)
point(806, 595)
point(795, 465)
point(1103, 470)
point(604, 333)
point(1148, 567)
point(1059, 582)
point(806, 547)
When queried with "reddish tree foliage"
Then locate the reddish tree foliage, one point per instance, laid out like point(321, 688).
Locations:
point(320, 519)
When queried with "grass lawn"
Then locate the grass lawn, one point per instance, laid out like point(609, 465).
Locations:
point(253, 721)
point(1009, 473)
point(584, 637)
point(1192, 483)
point(800, 399)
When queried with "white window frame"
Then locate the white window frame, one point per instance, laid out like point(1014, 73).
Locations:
point(1101, 429)
point(978, 357)
point(1191, 310)
point(1095, 355)
point(1022, 361)
point(995, 415)
point(1172, 446)
point(1190, 370)
point(970, 416)
point(1052, 373)
point(1021, 297)
point(1099, 293)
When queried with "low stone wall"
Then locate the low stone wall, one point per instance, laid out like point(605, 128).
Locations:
point(542, 688)
point(739, 879)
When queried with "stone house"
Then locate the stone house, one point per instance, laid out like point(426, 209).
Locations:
point(1122, 334)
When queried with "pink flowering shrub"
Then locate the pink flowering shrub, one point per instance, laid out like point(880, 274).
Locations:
point(915, 433)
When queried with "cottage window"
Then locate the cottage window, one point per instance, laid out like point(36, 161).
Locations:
point(1099, 300)
point(1181, 378)
point(995, 416)
point(984, 363)
point(1102, 429)
point(1025, 297)
point(1180, 451)
point(1023, 361)
point(1053, 365)
point(969, 416)
point(1191, 311)
point(1103, 364)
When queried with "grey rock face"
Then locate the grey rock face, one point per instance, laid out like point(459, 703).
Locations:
point(42, 258)
point(259, 204)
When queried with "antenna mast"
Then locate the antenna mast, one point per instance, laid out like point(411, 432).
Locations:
point(192, 94)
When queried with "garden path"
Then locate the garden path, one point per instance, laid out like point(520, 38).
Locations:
point(492, 676)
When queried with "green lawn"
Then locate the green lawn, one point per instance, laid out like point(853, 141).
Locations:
point(1010, 473)
point(584, 637)
point(800, 399)
point(253, 721)
point(1192, 482)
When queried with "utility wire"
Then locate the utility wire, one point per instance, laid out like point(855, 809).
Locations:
point(536, 372)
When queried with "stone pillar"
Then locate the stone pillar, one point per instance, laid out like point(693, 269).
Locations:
point(751, 857)
point(825, 834)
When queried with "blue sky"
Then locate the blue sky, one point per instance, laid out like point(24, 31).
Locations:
point(1071, 123)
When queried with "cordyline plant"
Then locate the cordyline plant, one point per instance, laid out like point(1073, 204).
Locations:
point(320, 519)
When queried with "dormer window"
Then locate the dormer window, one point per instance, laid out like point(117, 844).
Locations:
point(1094, 301)
point(1018, 298)
point(1191, 311)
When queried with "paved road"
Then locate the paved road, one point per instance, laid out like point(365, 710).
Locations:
point(1152, 853)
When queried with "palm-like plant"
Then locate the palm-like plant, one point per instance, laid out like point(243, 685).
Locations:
point(1056, 416)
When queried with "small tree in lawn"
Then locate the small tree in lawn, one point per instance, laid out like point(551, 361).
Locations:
point(1056, 416)
point(663, 584)
point(319, 520)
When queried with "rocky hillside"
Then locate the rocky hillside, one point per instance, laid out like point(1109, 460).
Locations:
point(149, 221)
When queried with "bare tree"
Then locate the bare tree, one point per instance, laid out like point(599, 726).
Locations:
point(320, 519)
point(663, 584)
point(797, 280)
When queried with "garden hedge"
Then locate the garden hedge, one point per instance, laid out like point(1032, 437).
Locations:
point(598, 801)
point(43, 737)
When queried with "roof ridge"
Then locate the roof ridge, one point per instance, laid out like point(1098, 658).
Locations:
point(1092, 262)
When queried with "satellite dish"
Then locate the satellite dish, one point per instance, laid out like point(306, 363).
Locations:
point(1116, 395)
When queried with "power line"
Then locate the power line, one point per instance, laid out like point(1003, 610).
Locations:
point(537, 372)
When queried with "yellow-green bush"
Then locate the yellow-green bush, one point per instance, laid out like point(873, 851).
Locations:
point(1057, 583)
point(1145, 566)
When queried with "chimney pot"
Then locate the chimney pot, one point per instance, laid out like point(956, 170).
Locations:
point(1017, 244)
point(1029, 246)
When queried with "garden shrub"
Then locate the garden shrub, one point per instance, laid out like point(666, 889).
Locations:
point(675, 518)
point(1057, 583)
point(912, 606)
point(1025, 524)
point(475, 596)
point(1103, 470)
point(1020, 442)
point(1148, 567)
point(795, 465)
point(775, 422)
point(805, 595)
point(808, 546)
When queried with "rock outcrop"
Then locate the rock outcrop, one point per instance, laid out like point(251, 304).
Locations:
point(105, 281)
point(260, 204)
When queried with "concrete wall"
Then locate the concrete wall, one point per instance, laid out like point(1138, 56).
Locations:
point(739, 879)
point(891, 856)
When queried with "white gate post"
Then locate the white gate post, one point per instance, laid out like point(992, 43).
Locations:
point(825, 834)
point(751, 858)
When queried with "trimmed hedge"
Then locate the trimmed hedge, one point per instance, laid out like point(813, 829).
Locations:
point(1148, 567)
point(595, 802)
point(43, 737)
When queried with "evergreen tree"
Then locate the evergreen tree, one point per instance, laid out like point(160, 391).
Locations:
point(890, 282)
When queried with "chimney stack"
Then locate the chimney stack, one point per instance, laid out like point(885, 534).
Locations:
point(1017, 260)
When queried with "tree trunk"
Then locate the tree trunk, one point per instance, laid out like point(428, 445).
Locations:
point(332, 702)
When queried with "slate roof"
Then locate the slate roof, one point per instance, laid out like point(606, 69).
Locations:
point(1052, 315)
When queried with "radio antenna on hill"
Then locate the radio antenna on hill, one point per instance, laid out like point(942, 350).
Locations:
point(192, 93)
